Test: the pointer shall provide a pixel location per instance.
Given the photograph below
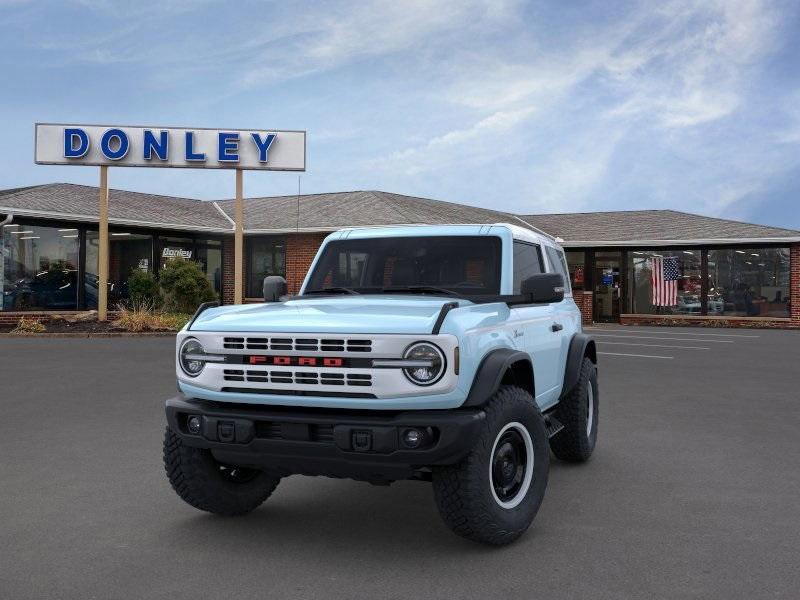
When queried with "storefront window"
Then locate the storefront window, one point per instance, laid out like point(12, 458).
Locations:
point(665, 282)
point(265, 256)
point(176, 247)
point(39, 268)
point(747, 282)
point(128, 252)
point(576, 261)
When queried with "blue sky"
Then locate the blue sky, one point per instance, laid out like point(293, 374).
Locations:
point(521, 106)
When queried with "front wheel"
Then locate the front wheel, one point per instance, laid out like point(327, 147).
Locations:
point(494, 493)
point(203, 482)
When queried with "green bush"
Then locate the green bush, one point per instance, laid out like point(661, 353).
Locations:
point(143, 289)
point(184, 286)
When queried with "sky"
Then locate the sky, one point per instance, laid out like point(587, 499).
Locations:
point(527, 107)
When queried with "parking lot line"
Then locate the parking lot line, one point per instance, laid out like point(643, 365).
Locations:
point(652, 337)
point(636, 355)
point(652, 345)
point(633, 331)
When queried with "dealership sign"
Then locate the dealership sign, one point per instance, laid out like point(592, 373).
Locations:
point(193, 148)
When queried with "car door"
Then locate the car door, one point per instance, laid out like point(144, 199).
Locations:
point(532, 326)
point(566, 316)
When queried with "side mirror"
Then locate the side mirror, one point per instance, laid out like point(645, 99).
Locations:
point(274, 288)
point(544, 288)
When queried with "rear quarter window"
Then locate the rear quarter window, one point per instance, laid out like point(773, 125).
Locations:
point(527, 262)
point(559, 264)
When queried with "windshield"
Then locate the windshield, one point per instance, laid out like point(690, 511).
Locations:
point(459, 265)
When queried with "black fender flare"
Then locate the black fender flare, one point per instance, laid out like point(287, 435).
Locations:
point(579, 346)
point(492, 370)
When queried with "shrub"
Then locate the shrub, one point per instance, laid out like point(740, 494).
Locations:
point(143, 289)
point(184, 286)
point(28, 325)
point(143, 317)
point(175, 321)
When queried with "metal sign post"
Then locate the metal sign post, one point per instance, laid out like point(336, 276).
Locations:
point(103, 253)
point(176, 147)
point(238, 241)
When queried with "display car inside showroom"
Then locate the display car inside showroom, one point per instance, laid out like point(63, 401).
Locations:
point(648, 266)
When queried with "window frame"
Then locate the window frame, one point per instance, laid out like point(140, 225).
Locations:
point(249, 241)
point(542, 267)
point(497, 264)
point(562, 268)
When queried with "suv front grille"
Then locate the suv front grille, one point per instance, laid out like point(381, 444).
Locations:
point(298, 377)
point(297, 343)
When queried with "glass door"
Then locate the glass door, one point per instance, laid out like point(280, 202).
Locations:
point(607, 285)
point(209, 255)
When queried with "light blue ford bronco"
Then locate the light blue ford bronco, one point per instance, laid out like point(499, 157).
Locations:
point(450, 354)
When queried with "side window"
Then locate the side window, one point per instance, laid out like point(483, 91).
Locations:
point(527, 262)
point(559, 263)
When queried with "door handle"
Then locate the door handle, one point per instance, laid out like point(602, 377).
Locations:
point(556, 327)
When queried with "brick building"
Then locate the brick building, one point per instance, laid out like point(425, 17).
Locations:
point(728, 272)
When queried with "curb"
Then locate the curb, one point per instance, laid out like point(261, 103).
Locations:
point(89, 334)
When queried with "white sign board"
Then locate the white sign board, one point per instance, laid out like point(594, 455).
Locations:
point(189, 148)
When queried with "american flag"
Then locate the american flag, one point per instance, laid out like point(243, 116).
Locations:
point(664, 279)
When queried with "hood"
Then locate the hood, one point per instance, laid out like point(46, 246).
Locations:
point(340, 314)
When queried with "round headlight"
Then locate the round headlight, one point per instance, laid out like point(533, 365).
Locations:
point(431, 367)
point(189, 349)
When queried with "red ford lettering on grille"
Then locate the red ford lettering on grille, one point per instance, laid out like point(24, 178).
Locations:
point(300, 361)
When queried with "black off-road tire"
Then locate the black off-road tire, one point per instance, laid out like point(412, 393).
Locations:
point(204, 483)
point(464, 491)
point(577, 440)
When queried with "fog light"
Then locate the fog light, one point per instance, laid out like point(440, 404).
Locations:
point(193, 424)
point(413, 438)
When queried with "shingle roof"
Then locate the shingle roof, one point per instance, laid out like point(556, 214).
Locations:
point(80, 202)
point(649, 225)
point(353, 209)
point(328, 212)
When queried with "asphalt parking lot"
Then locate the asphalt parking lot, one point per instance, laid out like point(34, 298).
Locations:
point(693, 491)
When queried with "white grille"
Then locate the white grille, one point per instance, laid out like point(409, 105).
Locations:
point(237, 376)
point(284, 376)
point(301, 344)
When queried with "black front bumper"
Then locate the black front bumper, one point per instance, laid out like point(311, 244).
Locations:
point(339, 443)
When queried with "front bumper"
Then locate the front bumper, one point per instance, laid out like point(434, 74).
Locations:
point(364, 445)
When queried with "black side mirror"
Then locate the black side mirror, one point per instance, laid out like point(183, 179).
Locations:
point(274, 288)
point(544, 288)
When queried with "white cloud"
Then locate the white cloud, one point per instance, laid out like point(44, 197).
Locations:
point(375, 28)
point(566, 178)
point(530, 106)
point(693, 69)
point(669, 70)
point(476, 144)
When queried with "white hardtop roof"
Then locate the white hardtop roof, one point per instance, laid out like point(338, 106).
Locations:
point(524, 233)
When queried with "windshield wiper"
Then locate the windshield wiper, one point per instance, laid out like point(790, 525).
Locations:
point(421, 289)
point(331, 290)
